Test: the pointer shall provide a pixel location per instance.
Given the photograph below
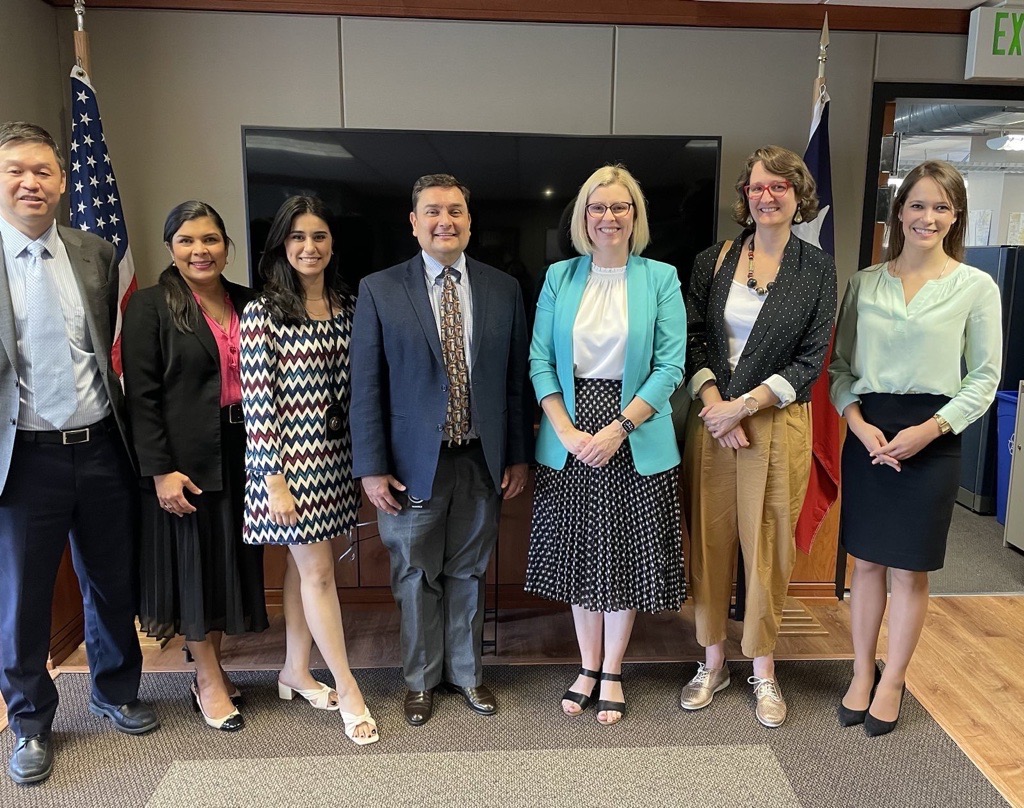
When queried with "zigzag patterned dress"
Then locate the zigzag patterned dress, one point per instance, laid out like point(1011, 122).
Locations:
point(290, 375)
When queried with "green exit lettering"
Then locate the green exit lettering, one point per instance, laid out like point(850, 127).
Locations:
point(1001, 32)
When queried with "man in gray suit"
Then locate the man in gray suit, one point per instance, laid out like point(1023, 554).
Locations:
point(64, 464)
point(441, 432)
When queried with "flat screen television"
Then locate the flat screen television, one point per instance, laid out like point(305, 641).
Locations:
point(522, 187)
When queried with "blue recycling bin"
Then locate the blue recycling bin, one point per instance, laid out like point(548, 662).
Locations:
point(1006, 416)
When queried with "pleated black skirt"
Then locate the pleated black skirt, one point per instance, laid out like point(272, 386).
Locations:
point(899, 519)
point(196, 574)
point(606, 539)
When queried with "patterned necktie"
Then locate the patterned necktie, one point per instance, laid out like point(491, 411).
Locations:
point(453, 351)
point(53, 375)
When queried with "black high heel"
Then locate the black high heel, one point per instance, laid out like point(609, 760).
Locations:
point(851, 718)
point(604, 705)
point(873, 727)
point(582, 699)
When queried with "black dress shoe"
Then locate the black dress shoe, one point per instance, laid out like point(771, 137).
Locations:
point(32, 759)
point(419, 706)
point(851, 718)
point(480, 699)
point(136, 717)
point(873, 727)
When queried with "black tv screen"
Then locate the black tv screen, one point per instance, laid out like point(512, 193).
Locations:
point(522, 187)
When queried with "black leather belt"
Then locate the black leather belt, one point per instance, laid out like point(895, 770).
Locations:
point(68, 437)
point(232, 414)
point(466, 445)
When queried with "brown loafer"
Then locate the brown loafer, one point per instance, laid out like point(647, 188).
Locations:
point(419, 706)
point(480, 699)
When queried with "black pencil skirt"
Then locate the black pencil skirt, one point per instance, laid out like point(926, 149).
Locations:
point(899, 519)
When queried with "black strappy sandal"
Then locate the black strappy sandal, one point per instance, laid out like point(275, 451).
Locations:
point(582, 699)
point(611, 706)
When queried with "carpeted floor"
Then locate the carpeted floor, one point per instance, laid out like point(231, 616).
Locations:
point(527, 755)
point(976, 561)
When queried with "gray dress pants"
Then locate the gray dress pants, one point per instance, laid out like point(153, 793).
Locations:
point(440, 549)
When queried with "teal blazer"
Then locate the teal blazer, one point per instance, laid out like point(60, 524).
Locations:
point(655, 354)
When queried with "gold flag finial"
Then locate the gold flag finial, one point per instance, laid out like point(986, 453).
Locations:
point(823, 48)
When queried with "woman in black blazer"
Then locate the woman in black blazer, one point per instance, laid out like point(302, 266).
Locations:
point(183, 390)
point(760, 317)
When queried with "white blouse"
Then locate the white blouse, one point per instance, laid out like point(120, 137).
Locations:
point(599, 332)
point(741, 310)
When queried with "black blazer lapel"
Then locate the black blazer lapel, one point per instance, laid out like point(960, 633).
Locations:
point(416, 287)
point(778, 299)
point(481, 291)
point(721, 284)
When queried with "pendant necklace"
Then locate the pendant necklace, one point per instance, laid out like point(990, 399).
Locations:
point(218, 319)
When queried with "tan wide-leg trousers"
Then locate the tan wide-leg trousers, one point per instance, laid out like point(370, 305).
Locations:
point(752, 496)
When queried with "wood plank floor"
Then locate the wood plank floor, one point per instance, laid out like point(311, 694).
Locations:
point(966, 671)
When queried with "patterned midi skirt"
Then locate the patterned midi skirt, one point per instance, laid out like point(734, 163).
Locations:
point(606, 538)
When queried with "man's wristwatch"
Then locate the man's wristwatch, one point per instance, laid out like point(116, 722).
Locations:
point(750, 405)
point(944, 427)
point(627, 425)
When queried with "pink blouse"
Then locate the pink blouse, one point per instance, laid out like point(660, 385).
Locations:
point(227, 347)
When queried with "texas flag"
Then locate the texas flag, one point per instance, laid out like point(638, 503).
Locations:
point(823, 488)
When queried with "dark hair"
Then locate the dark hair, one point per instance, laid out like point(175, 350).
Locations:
point(282, 291)
point(436, 181)
point(23, 131)
point(180, 300)
point(951, 182)
point(787, 164)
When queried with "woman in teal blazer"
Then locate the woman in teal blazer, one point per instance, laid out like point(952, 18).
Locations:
point(607, 353)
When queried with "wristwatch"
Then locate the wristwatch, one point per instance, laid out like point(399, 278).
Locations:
point(627, 425)
point(750, 405)
point(944, 427)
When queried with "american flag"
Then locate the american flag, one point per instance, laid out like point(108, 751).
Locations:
point(95, 201)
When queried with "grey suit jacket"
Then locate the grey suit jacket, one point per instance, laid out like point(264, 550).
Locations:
point(95, 265)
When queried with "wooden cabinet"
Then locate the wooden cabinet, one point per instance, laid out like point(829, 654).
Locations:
point(363, 567)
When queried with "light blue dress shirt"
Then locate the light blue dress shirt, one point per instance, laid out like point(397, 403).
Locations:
point(93, 404)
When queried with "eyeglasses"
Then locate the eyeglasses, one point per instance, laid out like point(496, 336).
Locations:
point(597, 209)
point(777, 189)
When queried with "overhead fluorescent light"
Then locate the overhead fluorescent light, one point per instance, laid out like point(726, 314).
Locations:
point(1007, 143)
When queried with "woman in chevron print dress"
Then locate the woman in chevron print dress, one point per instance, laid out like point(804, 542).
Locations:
point(299, 489)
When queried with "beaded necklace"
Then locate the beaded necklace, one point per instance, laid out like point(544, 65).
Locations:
point(751, 280)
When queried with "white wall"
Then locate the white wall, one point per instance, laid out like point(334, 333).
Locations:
point(30, 84)
point(175, 89)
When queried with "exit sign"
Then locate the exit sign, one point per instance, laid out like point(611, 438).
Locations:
point(995, 44)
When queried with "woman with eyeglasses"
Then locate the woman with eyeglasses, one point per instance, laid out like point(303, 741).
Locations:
point(905, 328)
point(299, 489)
point(183, 389)
point(761, 311)
point(607, 352)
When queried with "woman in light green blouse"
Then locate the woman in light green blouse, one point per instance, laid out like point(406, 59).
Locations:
point(903, 329)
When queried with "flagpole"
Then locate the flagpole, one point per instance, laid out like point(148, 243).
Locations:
point(81, 39)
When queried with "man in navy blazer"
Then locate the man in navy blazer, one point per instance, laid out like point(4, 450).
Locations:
point(68, 475)
point(439, 500)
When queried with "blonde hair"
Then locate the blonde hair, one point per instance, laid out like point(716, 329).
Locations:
point(610, 175)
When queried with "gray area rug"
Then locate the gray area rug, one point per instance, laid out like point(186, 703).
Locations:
point(976, 561)
point(529, 754)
